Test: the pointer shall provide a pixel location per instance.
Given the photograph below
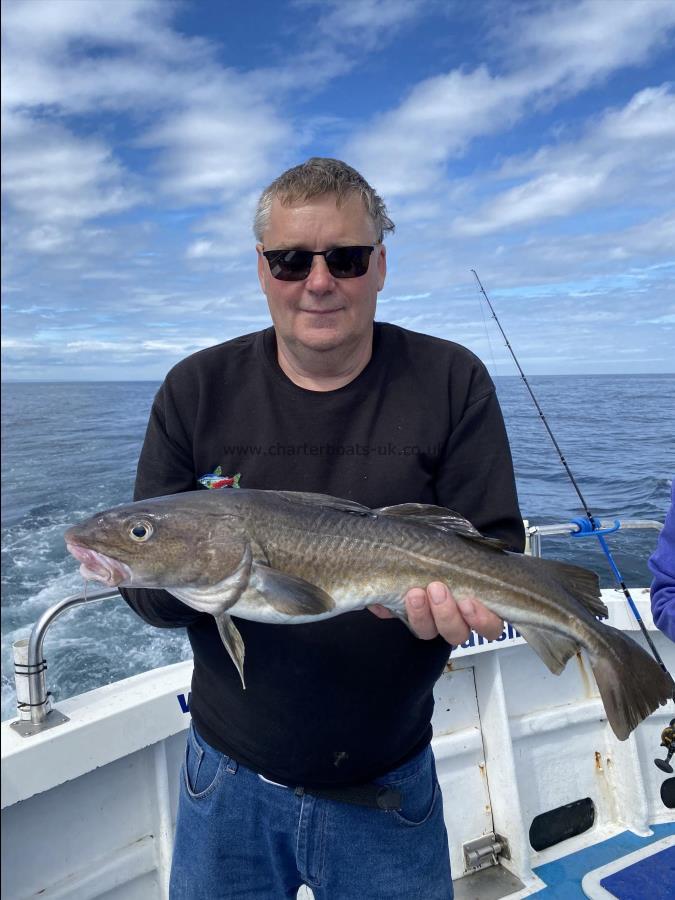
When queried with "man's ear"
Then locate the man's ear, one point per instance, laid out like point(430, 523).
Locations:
point(381, 267)
point(262, 273)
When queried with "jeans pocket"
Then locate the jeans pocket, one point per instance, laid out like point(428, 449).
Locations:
point(417, 810)
point(202, 767)
point(417, 782)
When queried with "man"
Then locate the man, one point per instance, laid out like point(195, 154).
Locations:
point(320, 772)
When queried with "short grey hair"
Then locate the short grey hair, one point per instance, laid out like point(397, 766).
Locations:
point(316, 178)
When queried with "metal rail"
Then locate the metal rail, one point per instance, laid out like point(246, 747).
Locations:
point(33, 698)
point(535, 533)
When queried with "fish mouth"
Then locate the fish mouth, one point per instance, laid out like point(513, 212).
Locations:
point(97, 566)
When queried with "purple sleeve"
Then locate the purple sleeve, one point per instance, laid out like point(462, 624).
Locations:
point(662, 565)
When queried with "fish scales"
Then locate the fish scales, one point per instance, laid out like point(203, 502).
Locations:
point(358, 560)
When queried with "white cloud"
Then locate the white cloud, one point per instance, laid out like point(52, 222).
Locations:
point(631, 149)
point(364, 23)
point(51, 24)
point(218, 131)
point(548, 196)
point(668, 319)
point(52, 53)
point(200, 249)
point(217, 152)
point(563, 49)
point(99, 345)
point(572, 45)
point(54, 178)
point(404, 150)
point(213, 133)
point(330, 37)
point(227, 236)
point(649, 115)
point(404, 297)
point(182, 347)
point(9, 343)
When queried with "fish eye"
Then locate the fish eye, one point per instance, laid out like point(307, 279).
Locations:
point(141, 531)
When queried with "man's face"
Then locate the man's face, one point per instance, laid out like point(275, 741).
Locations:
point(322, 312)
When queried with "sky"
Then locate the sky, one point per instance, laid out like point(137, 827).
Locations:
point(531, 141)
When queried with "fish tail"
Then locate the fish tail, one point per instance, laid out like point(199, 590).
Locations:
point(631, 684)
point(581, 584)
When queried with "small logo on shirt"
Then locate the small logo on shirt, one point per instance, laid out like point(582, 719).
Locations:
point(216, 479)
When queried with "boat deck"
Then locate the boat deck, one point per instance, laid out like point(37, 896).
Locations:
point(567, 878)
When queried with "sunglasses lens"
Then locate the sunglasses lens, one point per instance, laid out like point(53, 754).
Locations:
point(348, 262)
point(290, 265)
point(295, 265)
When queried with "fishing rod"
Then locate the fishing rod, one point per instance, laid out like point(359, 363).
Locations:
point(590, 524)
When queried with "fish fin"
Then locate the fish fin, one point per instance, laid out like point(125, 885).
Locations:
point(258, 554)
point(580, 583)
point(439, 516)
point(441, 519)
point(553, 648)
point(491, 543)
point(233, 643)
point(325, 500)
point(216, 598)
point(631, 683)
point(288, 593)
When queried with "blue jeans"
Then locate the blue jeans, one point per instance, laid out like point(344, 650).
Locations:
point(239, 836)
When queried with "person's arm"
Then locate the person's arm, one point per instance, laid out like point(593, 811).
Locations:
point(662, 565)
point(165, 467)
point(476, 479)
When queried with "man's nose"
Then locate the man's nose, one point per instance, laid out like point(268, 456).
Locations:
point(319, 280)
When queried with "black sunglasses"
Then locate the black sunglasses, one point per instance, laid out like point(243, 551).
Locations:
point(295, 265)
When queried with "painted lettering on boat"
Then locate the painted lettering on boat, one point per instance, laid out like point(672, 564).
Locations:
point(183, 703)
point(508, 634)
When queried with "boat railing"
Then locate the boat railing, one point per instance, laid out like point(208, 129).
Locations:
point(534, 533)
point(34, 699)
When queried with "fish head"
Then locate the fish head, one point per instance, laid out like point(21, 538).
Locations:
point(163, 542)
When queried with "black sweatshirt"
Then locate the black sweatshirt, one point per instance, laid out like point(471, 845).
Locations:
point(344, 700)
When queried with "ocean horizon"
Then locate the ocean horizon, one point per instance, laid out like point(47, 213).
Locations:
point(494, 376)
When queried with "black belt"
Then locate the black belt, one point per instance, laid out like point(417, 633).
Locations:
point(374, 796)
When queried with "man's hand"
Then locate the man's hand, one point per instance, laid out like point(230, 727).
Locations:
point(435, 611)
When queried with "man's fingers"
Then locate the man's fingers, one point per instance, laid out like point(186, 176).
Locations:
point(480, 618)
point(436, 611)
point(448, 618)
point(380, 611)
point(433, 612)
point(420, 618)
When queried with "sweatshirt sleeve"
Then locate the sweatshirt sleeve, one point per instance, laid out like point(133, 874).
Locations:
point(476, 476)
point(166, 463)
point(165, 467)
point(662, 566)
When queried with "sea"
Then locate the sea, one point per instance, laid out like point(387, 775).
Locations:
point(70, 449)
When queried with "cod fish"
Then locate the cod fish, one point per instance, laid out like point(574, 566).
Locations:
point(288, 557)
